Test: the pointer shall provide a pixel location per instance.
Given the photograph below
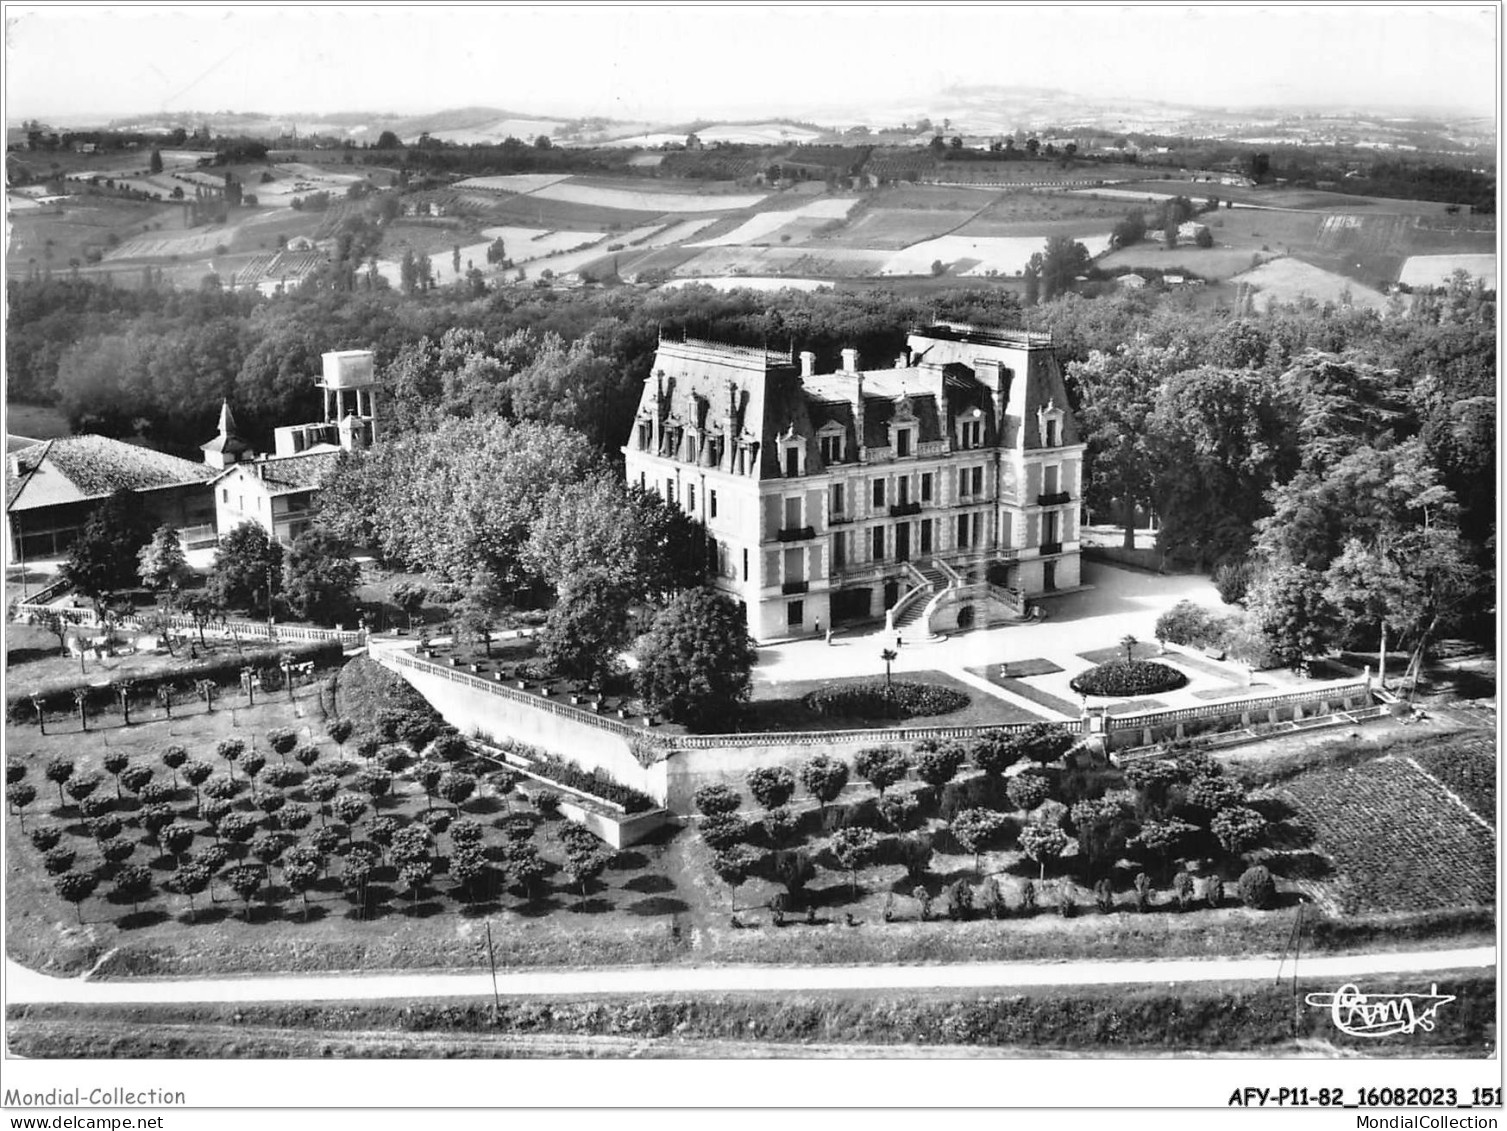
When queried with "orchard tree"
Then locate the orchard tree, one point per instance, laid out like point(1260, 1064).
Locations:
point(696, 662)
point(824, 778)
point(74, 888)
point(882, 766)
point(1102, 825)
point(938, 763)
point(20, 794)
point(58, 771)
point(734, 865)
point(245, 880)
point(174, 758)
point(456, 788)
point(978, 831)
point(995, 751)
point(188, 880)
point(1238, 829)
point(853, 848)
point(1028, 790)
point(300, 878)
point(771, 786)
point(134, 882)
point(717, 800)
point(1163, 839)
point(1043, 843)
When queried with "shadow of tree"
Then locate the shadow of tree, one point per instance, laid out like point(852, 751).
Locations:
point(657, 905)
point(650, 883)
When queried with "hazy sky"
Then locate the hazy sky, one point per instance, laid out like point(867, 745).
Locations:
point(679, 63)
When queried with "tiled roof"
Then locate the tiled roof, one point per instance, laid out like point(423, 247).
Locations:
point(77, 468)
point(286, 474)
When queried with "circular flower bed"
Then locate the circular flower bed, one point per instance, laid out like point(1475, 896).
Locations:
point(1128, 677)
point(871, 700)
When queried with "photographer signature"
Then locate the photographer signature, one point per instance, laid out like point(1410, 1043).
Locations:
point(1380, 1015)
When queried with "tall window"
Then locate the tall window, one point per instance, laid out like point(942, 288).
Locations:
point(1051, 433)
point(902, 441)
point(963, 481)
point(837, 500)
point(793, 514)
point(745, 565)
point(792, 462)
point(879, 543)
point(839, 550)
point(963, 540)
point(972, 434)
point(670, 491)
point(712, 496)
point(903, 483)
point(879, 492)
point(831, 449)
point(978, 480)
point(690, 497)
point(926, 487)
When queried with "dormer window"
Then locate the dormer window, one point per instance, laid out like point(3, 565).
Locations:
point(829, 442)
point(970, 427)
point(1049, 420)
point(792, 458)
point(645, 435)
point(904, 428)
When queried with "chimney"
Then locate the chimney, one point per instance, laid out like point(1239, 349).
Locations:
point(808, 363)
point(857, 408)
point(850, 361)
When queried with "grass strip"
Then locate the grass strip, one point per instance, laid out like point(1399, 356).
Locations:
point(1236, 1017)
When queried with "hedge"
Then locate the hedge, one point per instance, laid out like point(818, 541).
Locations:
point(873, 699)
point(224, 670)
point(593, 782)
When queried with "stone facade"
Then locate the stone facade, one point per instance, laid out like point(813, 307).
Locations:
point(858, 494)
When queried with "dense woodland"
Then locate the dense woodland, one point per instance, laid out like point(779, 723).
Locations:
point(1335, 466)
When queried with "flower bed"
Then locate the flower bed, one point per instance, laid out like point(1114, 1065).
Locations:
point(900, 700)
point(1127, 678)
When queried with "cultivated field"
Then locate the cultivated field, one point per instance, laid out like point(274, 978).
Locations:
point(1289, 280)
point(765, 227)
point(577, 192)
point(892, 229)
point(514, 182)
point(964, 255)
point(1395, 837)
point(1435, 270)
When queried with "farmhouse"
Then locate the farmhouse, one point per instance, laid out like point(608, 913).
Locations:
point(939, 492)
point(277, 491)
point(52, 487)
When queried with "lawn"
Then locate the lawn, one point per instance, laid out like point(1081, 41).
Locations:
point(777, 706)
point(35, 421)
point(1018, 686)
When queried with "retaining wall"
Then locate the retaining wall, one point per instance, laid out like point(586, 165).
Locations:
point(473, 706)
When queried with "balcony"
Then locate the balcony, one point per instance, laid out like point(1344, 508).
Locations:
point(900, 510)
point(798, 534)
point(839, 519)
point(1056, 498)
point(1048, 548)
point(791, 587)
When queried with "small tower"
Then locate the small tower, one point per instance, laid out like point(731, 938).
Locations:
point(349, 386)
point(228, 447)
